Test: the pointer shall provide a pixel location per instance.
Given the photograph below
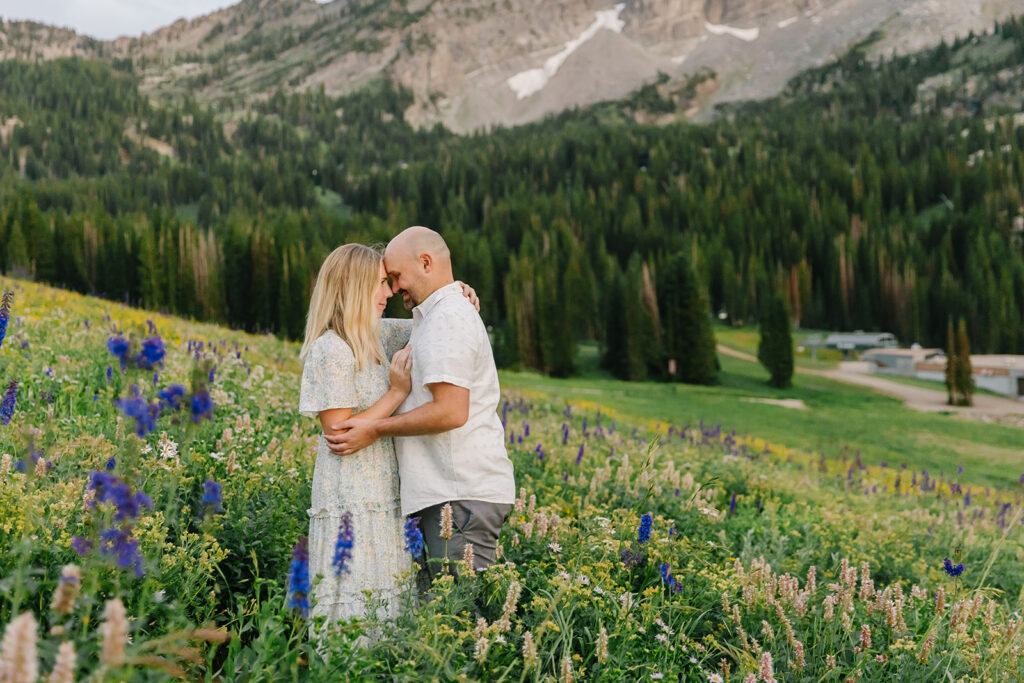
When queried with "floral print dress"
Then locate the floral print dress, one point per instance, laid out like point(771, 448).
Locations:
point(365, 485)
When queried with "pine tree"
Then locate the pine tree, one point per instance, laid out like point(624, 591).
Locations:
point(688, 339)
point(775, 350)
point(951, 373)
point(617, 332)
point(964, 372)
point(556, 339)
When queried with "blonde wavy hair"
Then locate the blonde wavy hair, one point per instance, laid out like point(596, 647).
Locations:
point(343, 301)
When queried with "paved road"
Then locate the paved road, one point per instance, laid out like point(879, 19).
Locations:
point(986, 408)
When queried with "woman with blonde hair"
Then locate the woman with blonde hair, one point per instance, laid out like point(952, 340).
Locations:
point(356, 533)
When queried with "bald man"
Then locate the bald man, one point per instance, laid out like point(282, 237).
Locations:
point(451, 444)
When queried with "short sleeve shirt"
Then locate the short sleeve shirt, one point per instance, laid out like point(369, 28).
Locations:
point(450, 344)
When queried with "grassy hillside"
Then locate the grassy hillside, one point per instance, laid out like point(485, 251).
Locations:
point(758, 554)
point(839, 419)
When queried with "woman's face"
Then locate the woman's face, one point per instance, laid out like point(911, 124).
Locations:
point(383, 291)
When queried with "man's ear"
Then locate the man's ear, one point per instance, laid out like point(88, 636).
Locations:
point(427, 262)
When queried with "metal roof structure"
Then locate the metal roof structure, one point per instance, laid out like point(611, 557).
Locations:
point(850, 341)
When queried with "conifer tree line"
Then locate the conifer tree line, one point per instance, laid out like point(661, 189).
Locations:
point(959, 372)
point(861, 199)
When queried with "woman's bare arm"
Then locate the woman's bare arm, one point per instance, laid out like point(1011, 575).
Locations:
point(401, 382)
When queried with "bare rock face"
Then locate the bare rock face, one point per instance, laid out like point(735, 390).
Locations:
point(656, 21)
point(741, 12)
point(477, 63)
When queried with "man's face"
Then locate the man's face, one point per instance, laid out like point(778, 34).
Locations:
point(403, 271)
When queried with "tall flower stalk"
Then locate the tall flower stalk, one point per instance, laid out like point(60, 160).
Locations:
point(8, 402)
point(5, 312)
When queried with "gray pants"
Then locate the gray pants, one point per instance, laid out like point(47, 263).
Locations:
point(473, 521)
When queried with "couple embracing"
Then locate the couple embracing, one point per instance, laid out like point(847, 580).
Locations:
point(404, 439)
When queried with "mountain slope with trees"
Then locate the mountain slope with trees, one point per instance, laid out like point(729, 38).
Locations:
point(871, 196)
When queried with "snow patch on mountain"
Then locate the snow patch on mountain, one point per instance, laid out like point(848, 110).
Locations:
point(526, 83)
point(747, 34)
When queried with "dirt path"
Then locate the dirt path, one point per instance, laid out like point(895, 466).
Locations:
point(986, 408)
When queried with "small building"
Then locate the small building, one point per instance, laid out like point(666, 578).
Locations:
point(851, 341)
point(860, 341)
point(1002, 374)
point(889, 361)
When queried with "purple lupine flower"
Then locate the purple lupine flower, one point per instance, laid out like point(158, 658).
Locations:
point(119, 542)
point(7, 404)
point(171, 396)
point(413, 536)
point(202, 406)
point(298, 577)
point(112, 489)
point(732, 505)
point(5, 312)
point(213, 372)
point(212, 495)
point(643, 534)
point(669, 580)
point(145, 414)
point(343, 546)
point(111, 464)
point(152, 353)
point(579, 455)
point(952, 570)
point(119, 347)
point(81, 545)
point(631, 559)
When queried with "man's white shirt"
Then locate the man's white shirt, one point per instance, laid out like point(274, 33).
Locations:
point(450, 344)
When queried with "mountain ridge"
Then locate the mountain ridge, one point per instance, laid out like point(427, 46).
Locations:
point(462, 58)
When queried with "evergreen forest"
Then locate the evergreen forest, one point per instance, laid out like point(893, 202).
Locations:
point(874, 195)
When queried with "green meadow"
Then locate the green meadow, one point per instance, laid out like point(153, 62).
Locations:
point(837, 416)
point(146, 537)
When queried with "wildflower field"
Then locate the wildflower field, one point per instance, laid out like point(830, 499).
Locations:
point(155, 476)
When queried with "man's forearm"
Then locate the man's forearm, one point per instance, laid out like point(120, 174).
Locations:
point(429, 418)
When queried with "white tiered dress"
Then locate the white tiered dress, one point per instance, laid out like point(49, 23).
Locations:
point(364, 484)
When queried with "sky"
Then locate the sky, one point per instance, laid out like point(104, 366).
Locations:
point(107, 19)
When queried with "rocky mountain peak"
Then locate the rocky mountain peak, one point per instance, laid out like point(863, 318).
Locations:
point(473, 64)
